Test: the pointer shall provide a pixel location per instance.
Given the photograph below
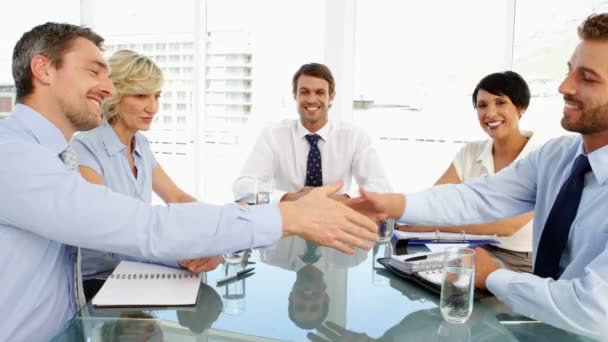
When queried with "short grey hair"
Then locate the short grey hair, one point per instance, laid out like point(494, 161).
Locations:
point(51, 40)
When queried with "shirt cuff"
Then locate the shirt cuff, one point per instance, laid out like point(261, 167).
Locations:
point(267, 224)
point(173, 263)
point(499, 282)
point(416, 209)
point(277, 195)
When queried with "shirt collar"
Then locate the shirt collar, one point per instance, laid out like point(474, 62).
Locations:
point(44, 131)
point(598, 160)
point(110, 139)
point(487, 160)
point(301, 131)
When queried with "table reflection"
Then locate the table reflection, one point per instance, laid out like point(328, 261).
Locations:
point(303, 292)
point(321, 278)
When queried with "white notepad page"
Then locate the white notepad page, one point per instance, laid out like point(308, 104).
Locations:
point(141, 284)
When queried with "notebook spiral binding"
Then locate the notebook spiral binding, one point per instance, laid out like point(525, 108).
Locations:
point(145, 276)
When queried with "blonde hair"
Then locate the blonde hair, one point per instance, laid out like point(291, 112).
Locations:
point(131, 74)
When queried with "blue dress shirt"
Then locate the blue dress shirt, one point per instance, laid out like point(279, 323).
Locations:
point(101, 150)
point(44, 207)
point(578, 300)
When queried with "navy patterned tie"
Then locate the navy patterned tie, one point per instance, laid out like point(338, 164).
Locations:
point(554, 238)
point(314, 174)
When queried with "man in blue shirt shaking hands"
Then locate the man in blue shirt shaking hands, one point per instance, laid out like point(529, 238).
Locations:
point(565, 182)
point(46, 208)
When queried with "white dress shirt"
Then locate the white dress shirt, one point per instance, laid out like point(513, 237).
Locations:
point(475, 160)
point(280, 155)
point(578, 299)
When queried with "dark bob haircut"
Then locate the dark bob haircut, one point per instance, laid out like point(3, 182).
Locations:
point(507, 83)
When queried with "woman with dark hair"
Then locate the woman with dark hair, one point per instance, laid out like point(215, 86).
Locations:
point(500, 100)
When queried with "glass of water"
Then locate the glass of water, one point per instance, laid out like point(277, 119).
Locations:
point(458, 286)
point(386, 229)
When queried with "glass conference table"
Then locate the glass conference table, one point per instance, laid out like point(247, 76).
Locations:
point(303, 292)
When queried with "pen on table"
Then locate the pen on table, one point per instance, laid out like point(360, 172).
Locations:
point(234, 276)
point(234, 280)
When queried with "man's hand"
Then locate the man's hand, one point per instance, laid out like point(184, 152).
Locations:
point(294, 196)
point(484, 265)
point(376, 206)
point(318, 218)
point(340, 198)
point(202, 264)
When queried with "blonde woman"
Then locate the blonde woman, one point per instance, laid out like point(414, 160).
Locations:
point(500, 100)
point(118, 156)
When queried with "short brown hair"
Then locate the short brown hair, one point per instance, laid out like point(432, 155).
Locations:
point(316, 70)
point(51, 40)
point(595, 27)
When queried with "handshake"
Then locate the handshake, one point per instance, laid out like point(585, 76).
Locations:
point(321, 216)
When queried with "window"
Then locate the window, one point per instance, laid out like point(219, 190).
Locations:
point(542, 47)
point(412, 95)
point(19, 18)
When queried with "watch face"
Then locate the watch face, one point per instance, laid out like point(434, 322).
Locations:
point(262, 198)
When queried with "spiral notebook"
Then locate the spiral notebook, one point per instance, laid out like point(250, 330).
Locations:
point(141, 284)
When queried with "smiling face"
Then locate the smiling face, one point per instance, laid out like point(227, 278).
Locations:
point(313, 100)
point(497, 114)
point(80, 84)
point(585, 89)
point(136, 112)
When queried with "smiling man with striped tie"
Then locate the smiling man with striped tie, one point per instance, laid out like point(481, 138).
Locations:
point(299, 155)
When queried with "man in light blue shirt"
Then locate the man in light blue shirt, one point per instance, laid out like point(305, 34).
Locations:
point(577, 299)
point(46, 208)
